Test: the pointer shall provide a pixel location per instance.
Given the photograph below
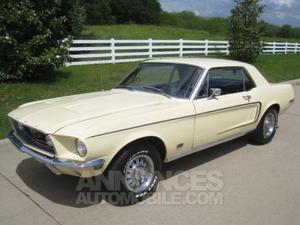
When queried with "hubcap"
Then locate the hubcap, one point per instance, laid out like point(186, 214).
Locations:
point(269, 125)
point(139, 173)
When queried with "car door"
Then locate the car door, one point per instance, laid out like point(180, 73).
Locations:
point(228, 115)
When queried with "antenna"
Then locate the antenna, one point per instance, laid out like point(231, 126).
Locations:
point(101, 75)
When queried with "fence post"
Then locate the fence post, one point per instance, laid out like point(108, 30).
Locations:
point(285, 48)
point(150, 48)
point(180, 47)
point(206, 47)
point(113, 52)
point(227, 48)
point(274, 47)
point(296, 47)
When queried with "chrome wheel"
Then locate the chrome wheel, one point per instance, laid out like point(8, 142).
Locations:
point(139, 173)
point(269, 125)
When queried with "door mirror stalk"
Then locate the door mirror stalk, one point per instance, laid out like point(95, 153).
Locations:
point(214, 92)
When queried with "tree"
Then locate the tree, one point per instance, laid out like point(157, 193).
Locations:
point(285, 31)
point(122, 11)
point(244, 30)
point(34, 35)
point(137, 11)
point(269, 30)
point(77, 16)
point(99, 12)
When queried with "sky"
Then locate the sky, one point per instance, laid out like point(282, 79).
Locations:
point(277, 12)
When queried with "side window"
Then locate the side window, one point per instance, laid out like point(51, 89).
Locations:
point(248, 81)
point(230, 80)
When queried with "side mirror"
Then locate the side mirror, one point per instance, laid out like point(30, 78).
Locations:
point(214, 92)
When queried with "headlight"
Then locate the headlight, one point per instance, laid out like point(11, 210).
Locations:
point(20, 126)
point(81, 148)
point(48, 141)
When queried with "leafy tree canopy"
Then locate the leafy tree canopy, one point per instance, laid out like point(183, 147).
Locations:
point(34, 35)
point(122, 11)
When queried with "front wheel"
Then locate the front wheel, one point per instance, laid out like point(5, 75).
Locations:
point(137, 172)
point(266, 128)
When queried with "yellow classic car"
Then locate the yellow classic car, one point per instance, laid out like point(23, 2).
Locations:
point(163, 110)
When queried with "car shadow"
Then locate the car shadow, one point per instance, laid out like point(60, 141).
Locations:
point(59, 189)
point(193, 160)
point(63, 189)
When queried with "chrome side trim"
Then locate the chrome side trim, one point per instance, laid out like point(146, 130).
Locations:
point(230, 107)
point(98, 163)
point(178, 118)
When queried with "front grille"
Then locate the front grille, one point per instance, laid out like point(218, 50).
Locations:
point(32, 137)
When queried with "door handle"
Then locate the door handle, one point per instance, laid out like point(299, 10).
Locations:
point(247, 97)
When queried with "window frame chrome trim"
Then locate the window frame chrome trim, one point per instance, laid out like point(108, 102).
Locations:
point(205, 74)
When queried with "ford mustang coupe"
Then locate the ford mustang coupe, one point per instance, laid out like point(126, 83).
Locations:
point(163, 110)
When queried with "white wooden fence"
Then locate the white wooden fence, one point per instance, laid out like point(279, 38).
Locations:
point(84, 52)
point(281, 47)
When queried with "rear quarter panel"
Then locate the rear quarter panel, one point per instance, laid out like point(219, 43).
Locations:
point(281, 94)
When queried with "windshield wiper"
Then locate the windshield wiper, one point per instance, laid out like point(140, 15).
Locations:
point(125, 87)
point(157, 90)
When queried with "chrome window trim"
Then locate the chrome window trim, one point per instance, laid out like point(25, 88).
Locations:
point(199, 84)
point(205, 74)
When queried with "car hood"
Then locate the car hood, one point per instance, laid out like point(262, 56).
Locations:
point(52, 115)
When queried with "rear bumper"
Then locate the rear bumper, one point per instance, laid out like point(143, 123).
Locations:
point(93, 164)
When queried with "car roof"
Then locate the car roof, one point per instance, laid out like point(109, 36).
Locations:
point(200, 62)
point(208, 63)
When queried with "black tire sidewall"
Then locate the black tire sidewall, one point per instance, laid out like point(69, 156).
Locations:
point(119, 165)
point(258, 135)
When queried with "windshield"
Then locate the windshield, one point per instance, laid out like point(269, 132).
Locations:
point(176, 80)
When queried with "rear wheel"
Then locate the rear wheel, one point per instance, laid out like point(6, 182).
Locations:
point(266, 128)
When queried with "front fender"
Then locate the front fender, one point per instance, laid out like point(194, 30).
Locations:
point(110, 145)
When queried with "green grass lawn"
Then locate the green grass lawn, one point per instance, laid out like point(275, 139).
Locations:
point(134, 31)
point(80, 79)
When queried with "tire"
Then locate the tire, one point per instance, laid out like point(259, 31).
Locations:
point(266, 128)
point(142, 162)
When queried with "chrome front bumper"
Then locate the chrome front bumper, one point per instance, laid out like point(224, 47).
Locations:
point(96, 163)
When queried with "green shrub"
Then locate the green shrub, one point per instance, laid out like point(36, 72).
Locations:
point(34, 35)
point(245, 31)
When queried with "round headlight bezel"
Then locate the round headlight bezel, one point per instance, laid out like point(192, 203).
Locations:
point(81, 148)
